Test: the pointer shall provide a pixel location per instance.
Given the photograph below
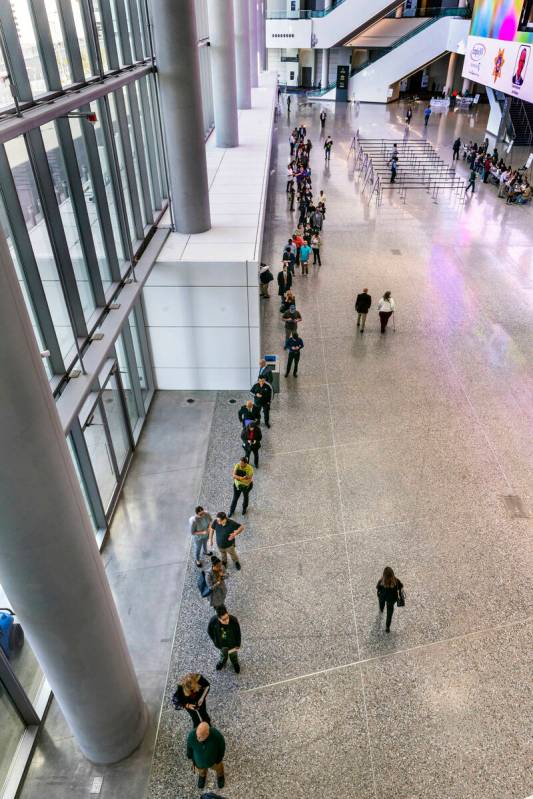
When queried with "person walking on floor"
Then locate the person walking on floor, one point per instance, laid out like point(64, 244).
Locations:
point(262, 393)
point(305, 252)
point(472, 182)
point(288, 104)
point(191, 695)
point(385, 309)
point(328, 144)
point(315, 246)
point(427, 114)
point(225, 632)
point(206, 748)
point(248, 412)
point(393, 163)
point(284, 280)
point(362, 306)
point(294, 345)
point(408, 115)
point(389, 590)
point(456, 149)
point(225, 531)
point(323, 117)
point(215, 579)
point(243, 483)
point(251, 440)
point(199, 527)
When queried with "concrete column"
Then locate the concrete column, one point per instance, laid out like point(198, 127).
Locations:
point(448, 86)
point(324, 80)
point(223, 74)
point(241, 10)
point(254, 78)
point(467, 86)
point(263, 65)
point(50, 566)
point(176, 50)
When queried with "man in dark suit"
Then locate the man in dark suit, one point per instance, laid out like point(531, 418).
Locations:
point(284, 280)
point(362, 306)
point(265, 370)
point(262, 394)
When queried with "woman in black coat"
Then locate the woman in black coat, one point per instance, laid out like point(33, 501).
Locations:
point(251, 440)
point(191, 694)
point(388, 588)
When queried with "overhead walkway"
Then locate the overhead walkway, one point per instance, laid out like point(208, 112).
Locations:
point(325, 29)
point(373, 81)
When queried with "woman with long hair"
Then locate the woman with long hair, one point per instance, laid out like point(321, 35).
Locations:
point(385, 309)
point(191, 694)
point(215, 578)
point(388, 588)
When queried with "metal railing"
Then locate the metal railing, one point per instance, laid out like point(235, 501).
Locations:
point(314, 14)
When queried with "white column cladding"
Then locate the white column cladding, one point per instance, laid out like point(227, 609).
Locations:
point(254, 72)
point(50, 566)
point(449, 75)
point(223, 73)
point(324, 82)
point(242, 52)
point(467, 86)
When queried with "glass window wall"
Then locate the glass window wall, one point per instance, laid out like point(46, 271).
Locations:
point(11, 731)
point(58, 41)
point(22, 18)
point(122, 166)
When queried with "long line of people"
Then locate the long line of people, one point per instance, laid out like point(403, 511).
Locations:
point(205, 745)
point(513, 185)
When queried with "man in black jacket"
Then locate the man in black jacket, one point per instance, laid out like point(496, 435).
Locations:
point(284, 280)
point(225, 632)
point(262, 394)
point(293, 347)
point(249, 412)
point(362, 306)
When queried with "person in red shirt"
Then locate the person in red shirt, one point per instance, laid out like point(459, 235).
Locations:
point(486, 168)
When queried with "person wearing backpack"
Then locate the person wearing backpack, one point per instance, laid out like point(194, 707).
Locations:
point(225, 632)
point(389, 590)
point(191, 695)
point(216, 582)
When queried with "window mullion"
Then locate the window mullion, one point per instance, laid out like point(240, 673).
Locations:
point(88, 476)
point(150, 143)
point(133, 370)
point(128, 165)
point(135, 112)
point(14, 56)
point(70, 36)
point(45, 45)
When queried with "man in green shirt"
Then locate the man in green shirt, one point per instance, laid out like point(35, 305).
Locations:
point(243, 482)
point(206, 748)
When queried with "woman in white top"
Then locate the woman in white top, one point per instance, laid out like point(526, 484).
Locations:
point(385, 309)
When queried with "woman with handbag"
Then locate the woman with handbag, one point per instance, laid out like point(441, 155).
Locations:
point(191, 694)
point(390, 592)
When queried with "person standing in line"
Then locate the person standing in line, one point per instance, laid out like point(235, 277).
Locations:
point(262, 393)
point(456, 149)
point(215, 579)
point(408, 115)
point(251, 440)
point(321, 203)
point(288, 300)
point(225, 531)
point(328, 144)
point(288, 104)
point(225, 632)
point(284, 280)
point(291, 319)
point(199, 527)
point(316, 219)
point(292, 195)
point(265, 370)
point(388, 588)
point(265, 278)
point(248, 413)
point(308, 147)
point(292, 143)
point(472, 182)
point(294, 345)
point(290, 177)
point(305, 252)
point(206, 748)
point(315, 246)
point(427, 114)
point(362, 306)
point(323, 117)
point(385, 309)
point(243, 483)
point(191, 694)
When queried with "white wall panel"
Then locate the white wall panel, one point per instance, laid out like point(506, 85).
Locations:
point(208, 306)
point(200, 347)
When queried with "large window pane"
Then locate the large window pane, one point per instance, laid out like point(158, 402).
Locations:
point(81, 34)
point(117, 423)
point(68, 217)
point(28, 42)
point(100, 455)
point(88, 193)
point(134, 148)
point(6, 98)
point(151, 178)
point(17, 155)
point(88, 505)
point(138, 353)
point(23, 285)
point(112, 200)
point(24, 665)
point(122, 166)
point(58, 41)
point(100, 30)
point(11, 732)
point(126, 379)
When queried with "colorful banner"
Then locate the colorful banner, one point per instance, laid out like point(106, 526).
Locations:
point(499, 47)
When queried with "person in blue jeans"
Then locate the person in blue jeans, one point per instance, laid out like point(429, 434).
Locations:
point(199, 526)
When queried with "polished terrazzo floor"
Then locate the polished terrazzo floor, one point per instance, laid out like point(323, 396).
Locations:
point(387, 450)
